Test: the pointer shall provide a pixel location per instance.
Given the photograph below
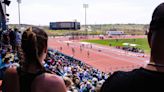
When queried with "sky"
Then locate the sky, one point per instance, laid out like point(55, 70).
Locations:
point(41, 12)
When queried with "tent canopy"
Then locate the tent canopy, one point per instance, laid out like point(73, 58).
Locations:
point(125, 44)
point(133, 45)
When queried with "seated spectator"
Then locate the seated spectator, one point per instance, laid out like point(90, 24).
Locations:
point(31, 76)
point(68, 83)
point(6, 62)
point(150, 78)
point(9, 55)
point(5, 38)
point(98, 86)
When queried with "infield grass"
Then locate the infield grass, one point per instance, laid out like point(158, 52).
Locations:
point(141, 42)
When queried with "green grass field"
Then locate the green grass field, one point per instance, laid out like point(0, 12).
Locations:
point(142, 43)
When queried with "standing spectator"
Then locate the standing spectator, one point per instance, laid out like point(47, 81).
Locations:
point(17, 39)
point(151, 77)
point(12, 36)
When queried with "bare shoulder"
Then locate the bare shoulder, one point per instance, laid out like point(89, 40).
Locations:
point(11, 71)
point(11, 75)
point(51, 78)
point(10, 80)
point(48, 83)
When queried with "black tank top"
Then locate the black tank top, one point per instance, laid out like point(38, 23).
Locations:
point(26, 79)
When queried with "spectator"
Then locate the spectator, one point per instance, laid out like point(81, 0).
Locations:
point(17, 40)
point(84, 77)
point(31, 76)
point(12, 36)
point(5, 38)
point(68, 83)
point(6, 63)
point(151, 77)
point(9, 54)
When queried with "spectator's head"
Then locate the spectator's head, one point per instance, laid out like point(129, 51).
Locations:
point(156, 35)
point(6, 60)
point(34, 46)
point(68, 82)
point(9, 49)
point(76, 81)
point(94, 81)
point(15, 29)
point(97, 88)
point(10, 29)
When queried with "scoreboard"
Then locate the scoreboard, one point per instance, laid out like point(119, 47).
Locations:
point(64, 25)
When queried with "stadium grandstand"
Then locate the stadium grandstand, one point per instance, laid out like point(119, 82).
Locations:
point(33, 58)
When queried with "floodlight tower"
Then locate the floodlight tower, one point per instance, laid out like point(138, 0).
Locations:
point(85, 6)
point(19, 1)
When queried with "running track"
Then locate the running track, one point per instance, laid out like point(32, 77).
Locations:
point(107, 60)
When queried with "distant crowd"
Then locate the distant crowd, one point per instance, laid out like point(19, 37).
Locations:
point(78, 76)
point(10, 42)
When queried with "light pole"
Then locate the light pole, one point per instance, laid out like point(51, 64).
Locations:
point(85, 6)
point(19, 1)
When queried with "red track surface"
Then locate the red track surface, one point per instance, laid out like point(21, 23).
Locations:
point(107, 60)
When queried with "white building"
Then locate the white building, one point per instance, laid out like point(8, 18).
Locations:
point(110, 33)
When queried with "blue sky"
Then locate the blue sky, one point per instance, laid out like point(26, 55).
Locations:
point(41, 12)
